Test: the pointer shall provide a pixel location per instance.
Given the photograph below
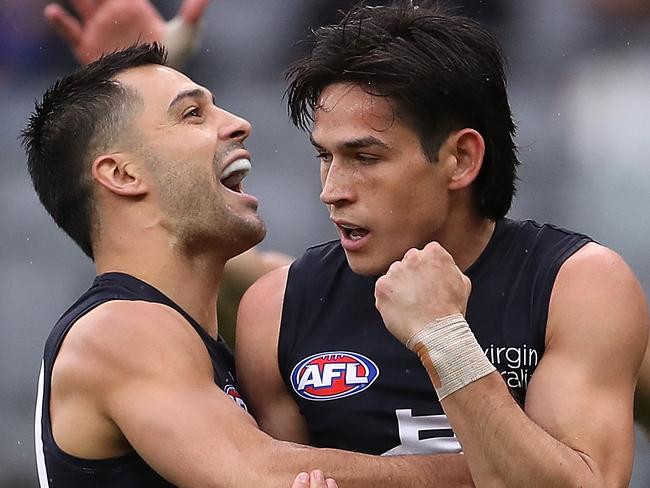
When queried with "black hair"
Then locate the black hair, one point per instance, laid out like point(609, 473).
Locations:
point(443, 72)
point(80, 116)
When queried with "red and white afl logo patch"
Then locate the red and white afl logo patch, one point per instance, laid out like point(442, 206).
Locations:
point(332, 375)
point(232, 392)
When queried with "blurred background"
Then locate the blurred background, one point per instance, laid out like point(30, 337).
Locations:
point(579, 87)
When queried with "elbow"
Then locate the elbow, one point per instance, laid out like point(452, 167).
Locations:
point(587, 474)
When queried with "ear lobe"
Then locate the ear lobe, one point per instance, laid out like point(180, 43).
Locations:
point(118, 174)
point(470, 150)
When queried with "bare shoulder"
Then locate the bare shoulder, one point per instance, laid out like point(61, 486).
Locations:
point(258, 333)
point(594, 258)
point(597, 296)
point(264, 297)
point(259, 316)
point(244, 269)
point(120, 340)
point(595, 339)
point(598, 276)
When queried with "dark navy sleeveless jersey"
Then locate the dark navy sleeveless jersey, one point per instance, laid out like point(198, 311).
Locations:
point(57, 469)
point(360, 389)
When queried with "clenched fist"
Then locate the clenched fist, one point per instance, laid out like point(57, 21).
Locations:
point(424, 286)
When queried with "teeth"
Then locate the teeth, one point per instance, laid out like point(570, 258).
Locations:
point(353, 232)
point(241, 165)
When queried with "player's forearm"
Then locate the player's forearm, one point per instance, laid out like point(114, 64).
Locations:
point(360, 471)
point(504, 447)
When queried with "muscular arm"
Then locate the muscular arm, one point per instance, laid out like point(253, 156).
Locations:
point(276, 412)
point(140, 377)
point(576, 428)
point(240, 273)
point(258, 329)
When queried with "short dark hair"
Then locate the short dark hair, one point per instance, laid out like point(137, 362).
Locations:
point(444, 72)
point(80, 116)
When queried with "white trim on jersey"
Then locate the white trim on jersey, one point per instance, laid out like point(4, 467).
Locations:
point(38, 433)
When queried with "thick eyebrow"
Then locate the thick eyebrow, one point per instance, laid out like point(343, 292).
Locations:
point(359, 143)
point(191, 93)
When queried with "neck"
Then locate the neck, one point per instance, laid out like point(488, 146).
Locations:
point(465, 237)
point(192, 282)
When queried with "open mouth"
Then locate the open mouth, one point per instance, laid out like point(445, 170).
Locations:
point(352, 232)
point(233, 175)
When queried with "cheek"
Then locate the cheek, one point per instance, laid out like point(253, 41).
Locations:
point(414, 208)
point(404, 200)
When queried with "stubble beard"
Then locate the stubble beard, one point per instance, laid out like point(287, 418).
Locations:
point(197, 216)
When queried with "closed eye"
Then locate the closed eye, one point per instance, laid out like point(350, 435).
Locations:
point(367, 158)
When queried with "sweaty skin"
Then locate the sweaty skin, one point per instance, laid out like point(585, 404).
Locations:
point(131, 375)
point(276, 411)
point(551, 442)
point(375, 178)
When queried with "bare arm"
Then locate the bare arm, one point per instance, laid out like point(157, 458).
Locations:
point(576, 429)
point(138, 373)
point(258, 328)
point(240, 273)
point(274, 408)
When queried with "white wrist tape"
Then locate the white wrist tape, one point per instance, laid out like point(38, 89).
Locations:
point(451, 354)
point(181, 40)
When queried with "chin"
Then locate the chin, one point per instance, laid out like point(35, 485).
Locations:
point(259, 229)
point(252, 233)
point(366, 267)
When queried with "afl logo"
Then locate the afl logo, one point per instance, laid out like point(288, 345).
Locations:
point(332, 375)
point(232, 392)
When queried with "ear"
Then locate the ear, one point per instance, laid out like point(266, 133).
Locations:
point(119, 174)
point(468, 147)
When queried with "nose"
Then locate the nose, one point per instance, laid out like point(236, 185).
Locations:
point(337, 185)
point(232, 127)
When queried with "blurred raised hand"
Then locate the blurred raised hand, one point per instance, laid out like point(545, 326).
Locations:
point(102, 26)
